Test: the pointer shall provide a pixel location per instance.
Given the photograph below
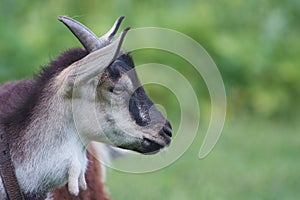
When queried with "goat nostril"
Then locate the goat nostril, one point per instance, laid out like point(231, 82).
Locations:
point(168, 130)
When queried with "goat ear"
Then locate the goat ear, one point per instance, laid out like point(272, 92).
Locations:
point(90, 66)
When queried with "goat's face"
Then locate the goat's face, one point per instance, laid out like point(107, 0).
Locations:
point(132, 121)
point(125, 115)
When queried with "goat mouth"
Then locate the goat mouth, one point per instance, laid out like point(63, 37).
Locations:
point(150, 146)
point(146, 146)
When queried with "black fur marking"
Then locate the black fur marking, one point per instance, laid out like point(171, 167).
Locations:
point(139, 106)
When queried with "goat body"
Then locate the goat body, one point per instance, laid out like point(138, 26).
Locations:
point(45, 151)
point(12, 97)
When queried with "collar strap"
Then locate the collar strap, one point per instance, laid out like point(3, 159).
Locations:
point(7, 169)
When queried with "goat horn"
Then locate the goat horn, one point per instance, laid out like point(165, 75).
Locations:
point(95, 63)
point(86, 37)
point(108, 37)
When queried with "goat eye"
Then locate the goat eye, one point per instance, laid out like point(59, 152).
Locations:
point(118, 89)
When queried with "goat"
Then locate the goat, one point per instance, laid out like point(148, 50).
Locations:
point(86, 94)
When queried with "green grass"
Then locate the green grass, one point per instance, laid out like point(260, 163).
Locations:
point(255, 45)
point(254, 159)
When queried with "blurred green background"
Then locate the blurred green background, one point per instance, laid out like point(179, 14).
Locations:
point(256, 47)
